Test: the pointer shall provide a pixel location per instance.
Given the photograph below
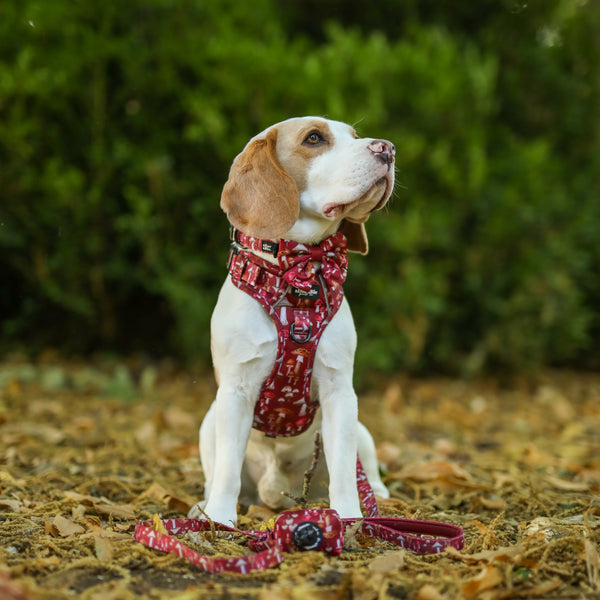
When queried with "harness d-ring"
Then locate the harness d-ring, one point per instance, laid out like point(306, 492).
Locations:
point(299, 341)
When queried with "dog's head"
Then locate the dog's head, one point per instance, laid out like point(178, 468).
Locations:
point(308, 177)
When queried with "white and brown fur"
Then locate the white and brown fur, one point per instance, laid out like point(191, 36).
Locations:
point(302, 179)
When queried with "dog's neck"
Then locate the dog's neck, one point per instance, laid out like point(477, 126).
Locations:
point(306, 230)
point(309, 229)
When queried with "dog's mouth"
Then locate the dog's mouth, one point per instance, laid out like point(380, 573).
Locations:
point(388, 182)
point(334, 210)
point(331, 211)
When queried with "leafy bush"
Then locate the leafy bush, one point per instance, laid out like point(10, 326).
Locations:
point(118, 125)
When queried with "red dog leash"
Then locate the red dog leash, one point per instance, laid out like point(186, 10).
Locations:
point(311, 529)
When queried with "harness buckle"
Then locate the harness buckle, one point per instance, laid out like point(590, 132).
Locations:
point(234, 250)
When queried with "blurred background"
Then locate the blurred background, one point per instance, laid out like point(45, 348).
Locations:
point(119, 120)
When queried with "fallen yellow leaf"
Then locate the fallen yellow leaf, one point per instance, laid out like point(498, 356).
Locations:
point(157, 524)
point(489, 578)
point(66, 527)
point(388, 562)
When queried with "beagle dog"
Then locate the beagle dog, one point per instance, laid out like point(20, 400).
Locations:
point(303, 179)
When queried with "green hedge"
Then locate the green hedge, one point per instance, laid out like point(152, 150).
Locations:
point(118, 122)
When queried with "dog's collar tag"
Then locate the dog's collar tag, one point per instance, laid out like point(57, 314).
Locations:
point(311, 294)
point(270, 247)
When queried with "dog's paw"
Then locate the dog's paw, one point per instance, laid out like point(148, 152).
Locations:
point(200, 511)
point(380, 490)
point(348, 508)
point(197, 511)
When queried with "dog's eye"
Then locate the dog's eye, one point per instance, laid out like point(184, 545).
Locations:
point(313, 138)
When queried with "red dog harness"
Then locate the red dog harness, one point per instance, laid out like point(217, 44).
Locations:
point(301, 299)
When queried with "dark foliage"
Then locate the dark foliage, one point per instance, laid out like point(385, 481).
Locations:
point(118, 124)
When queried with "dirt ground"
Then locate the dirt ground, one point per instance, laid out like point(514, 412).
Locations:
point(87, 450)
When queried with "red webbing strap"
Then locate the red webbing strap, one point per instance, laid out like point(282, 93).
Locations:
point(145, 534)
point(365, 491)
point(402, 531)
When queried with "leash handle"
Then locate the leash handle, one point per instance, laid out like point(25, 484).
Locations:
point(406, 533)
point(409, 533)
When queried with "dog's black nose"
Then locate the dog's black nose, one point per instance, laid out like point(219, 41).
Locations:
point(383, 150)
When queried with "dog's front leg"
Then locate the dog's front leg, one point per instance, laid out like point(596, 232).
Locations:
point(333, 379)
point(243, 344)
point(340, 415)
point(233, 422)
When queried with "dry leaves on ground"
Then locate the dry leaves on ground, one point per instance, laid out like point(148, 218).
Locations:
point(516, 463)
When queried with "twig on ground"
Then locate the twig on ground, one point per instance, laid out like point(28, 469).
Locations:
point(308, 475)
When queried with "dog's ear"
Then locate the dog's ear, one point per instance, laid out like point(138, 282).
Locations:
point(356, 234)
point(259, 197)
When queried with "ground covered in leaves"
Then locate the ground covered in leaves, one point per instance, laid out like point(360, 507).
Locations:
point(87, 451)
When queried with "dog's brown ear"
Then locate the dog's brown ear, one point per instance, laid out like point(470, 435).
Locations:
point(356, 234)
point(259, 197)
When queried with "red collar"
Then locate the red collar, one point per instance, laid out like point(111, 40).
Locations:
point(296, 260)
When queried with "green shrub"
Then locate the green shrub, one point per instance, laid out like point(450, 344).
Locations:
point(118, 124)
